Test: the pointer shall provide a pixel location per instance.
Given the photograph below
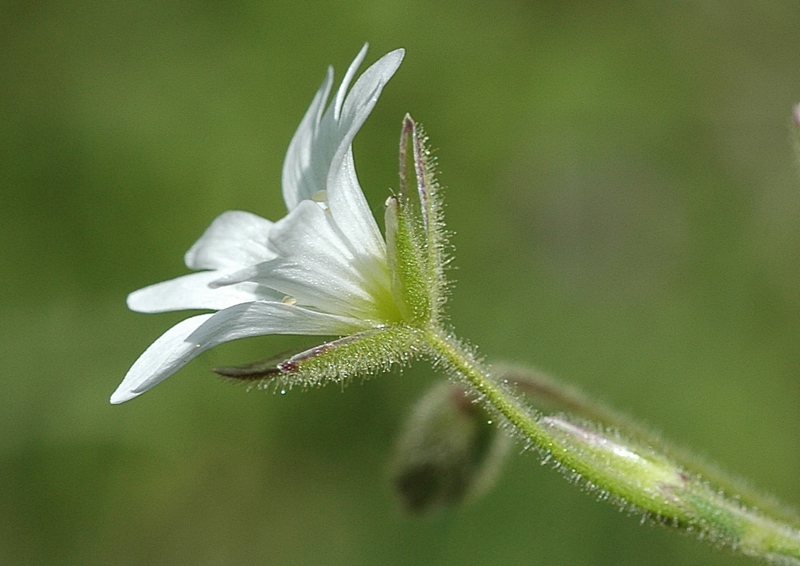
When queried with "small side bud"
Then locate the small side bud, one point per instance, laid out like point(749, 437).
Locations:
point(449, 450)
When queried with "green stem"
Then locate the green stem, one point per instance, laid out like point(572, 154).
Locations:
point(544, 389)
point(465, 364)
point(630, 472)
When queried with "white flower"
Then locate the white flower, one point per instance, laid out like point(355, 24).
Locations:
point(321, 270)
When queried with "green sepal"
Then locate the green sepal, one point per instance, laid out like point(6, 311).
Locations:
point(411, 285)
point(358, 355)
point(338, 361)
point(425, 208)
point(262, 370)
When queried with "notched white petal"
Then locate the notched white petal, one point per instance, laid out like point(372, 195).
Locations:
point(322, 264)
point(365, 93)
point(319, 266)
point(299, 165)
point(322, 140)
point(305, 236)
point(348, 78)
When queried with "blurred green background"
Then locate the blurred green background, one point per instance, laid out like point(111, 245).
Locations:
point(624, 200)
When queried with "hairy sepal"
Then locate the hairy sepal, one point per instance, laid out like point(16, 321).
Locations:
point(339, 361)
point(411, 286)
point(434, 234)
point(426, 204)
point(359, 355)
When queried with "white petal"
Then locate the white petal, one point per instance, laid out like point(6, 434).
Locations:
point(318, 266)
point(193, 336)
point(365, 93)
point(345, 197)
point(307, 232)
point(325, 288)
point(351, 211)
point(163, 358)
point(193, 292)
point(313, 149)
point(233, 240)
point(338, 102)
point(267, 317)
point(303, 170)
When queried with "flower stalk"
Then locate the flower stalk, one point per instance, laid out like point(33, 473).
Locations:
point(636, 476)
point(550, 396)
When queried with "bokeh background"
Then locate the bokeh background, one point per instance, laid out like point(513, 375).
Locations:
point(624, 198)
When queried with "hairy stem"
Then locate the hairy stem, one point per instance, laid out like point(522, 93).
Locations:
point(631, 470)
point(543, 389)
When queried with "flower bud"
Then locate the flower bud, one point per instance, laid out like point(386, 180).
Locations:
point(450, 449)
